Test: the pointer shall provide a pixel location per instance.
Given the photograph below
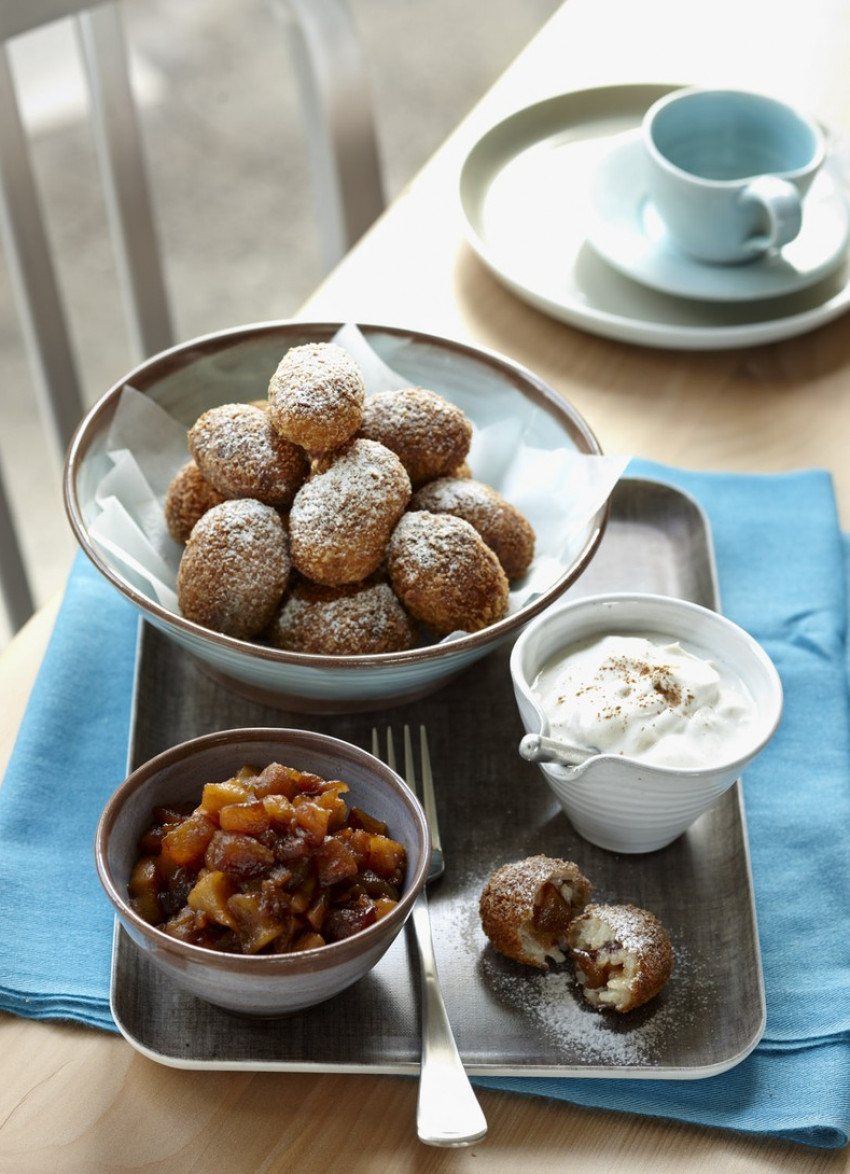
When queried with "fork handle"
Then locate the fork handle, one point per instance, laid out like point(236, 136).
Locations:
point(448, 1112)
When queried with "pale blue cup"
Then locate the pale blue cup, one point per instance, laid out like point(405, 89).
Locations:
point(728, 171)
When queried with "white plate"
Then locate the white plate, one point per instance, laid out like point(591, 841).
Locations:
point(525, 191)
point(627, 231)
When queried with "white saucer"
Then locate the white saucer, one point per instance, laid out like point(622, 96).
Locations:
point(525, 195)
point(627, 232)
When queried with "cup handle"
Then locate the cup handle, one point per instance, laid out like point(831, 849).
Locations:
point(782, 206)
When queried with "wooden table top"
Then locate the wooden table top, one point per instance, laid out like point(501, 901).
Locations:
point(72, 1099)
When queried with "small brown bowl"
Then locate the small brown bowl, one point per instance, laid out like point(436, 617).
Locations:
point(260, 984)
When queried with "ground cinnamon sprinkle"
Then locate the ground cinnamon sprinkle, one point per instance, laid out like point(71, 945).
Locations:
point(630, 671)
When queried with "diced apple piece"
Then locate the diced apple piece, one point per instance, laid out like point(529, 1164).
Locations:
point(361, 819)
point(218, 795)
point(312, 820)
point(187, 842)
point(302, 896)
point(358, 841)
point(336, 808)
point(277, 780)
point(383, 906)
point(256, 925)
point(334, 787)
point(247, 773)
point(250, 819)
point(186, 926)
point(280, 811)
point(335, 861)
point(315, 914)
point(210, 896)
point(308, 941)
point(144, 886)
point(387, 858)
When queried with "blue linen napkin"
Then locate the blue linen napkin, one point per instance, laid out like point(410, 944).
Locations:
point(781, 566)
point(70, 755)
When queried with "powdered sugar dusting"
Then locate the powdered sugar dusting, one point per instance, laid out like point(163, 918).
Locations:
point(241, 455)
point(432, 541)
point(342, 518)
point(358, 483)
point(429, 434)
point(546, 1008)
point(343, 621)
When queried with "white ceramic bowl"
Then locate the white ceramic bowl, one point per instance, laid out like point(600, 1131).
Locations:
point(516, 407)
point(261, 984)
point(620, 803)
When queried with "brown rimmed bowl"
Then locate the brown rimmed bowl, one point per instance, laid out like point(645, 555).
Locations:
point(235, 365)
point(262, 984)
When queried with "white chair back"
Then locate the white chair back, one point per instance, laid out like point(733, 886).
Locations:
point(340, 132)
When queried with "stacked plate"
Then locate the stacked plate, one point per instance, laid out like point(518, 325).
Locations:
point(556, 206)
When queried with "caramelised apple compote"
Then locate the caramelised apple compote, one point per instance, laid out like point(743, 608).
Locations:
point(271, 861)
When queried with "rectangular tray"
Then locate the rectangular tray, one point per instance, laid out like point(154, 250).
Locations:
point(493, 808)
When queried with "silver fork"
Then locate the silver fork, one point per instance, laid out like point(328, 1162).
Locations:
point(448, 1112)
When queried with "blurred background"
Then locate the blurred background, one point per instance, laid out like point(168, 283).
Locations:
point(229, 172)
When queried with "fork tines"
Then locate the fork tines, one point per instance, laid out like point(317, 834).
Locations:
point(427, 789)
point(390, 759)
point(409, 764)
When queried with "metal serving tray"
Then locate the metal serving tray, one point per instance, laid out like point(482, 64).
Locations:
point(508, 1019)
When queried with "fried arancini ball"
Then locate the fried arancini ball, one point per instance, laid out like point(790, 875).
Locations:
point(357, 619)
point(316, 396)
point(527, 906)
point(241, 455)
point(505, 530)
point(342, 518)
point(235, 568)
point(429, 434)
point(188, 498)
point(621, 956)
point(445, 574)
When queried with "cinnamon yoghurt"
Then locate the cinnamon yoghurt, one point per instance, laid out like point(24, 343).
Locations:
point(648, 699)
